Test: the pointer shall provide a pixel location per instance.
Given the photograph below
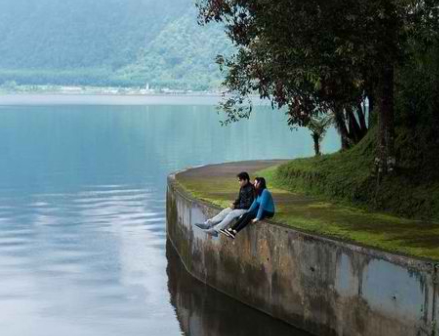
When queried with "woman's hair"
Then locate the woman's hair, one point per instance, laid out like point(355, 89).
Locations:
point(262, 185)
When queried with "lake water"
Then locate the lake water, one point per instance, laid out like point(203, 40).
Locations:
point(83, 246)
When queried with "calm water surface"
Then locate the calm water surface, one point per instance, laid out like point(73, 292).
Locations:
point(82, 218)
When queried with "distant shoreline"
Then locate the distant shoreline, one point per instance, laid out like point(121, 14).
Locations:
point(29, 99)
point(40, 99)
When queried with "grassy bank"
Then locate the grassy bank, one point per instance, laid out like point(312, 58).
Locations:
point(348, 177)
point(317, 214)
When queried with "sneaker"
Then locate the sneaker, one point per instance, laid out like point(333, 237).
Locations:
point(225, 233)
point(228, 233)
point(203, 226)
point(212, 232)
point(233, 233)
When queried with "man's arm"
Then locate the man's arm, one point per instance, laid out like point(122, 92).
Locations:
point(235, 203)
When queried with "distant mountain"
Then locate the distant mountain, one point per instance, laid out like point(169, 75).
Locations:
point(182, 54)
point(108, 42)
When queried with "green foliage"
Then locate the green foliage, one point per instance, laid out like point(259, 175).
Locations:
point(107, 43)
point(318, 127)
point(417, 83)
point(413, 189)
point(348, 177)
point(324, 57)
point(312, 56)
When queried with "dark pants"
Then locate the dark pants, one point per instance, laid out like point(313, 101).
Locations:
point(247, 218)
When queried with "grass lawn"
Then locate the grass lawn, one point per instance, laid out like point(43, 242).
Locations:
point(318, 215)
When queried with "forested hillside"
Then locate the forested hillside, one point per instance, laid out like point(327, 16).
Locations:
point(182, 55)
point(108, 42)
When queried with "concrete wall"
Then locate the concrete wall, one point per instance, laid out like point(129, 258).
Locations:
point(204, 311)
point(323, 286)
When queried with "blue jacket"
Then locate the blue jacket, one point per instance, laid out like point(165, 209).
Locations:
point(264, 201)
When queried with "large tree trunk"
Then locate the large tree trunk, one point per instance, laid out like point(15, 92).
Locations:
point(340, 125)
point(371, 109)
point(347, 125)
point(361, 117)
point(385, 160)
point(355, 131)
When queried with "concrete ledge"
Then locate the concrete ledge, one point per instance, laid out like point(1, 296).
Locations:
point(320, 285)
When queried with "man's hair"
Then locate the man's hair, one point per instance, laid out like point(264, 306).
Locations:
point(243, 176)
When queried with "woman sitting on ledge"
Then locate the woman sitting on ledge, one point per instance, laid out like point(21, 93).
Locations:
point(262, 207)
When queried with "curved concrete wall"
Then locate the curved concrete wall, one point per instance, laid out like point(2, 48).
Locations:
point(323, 286)
point(204, 311)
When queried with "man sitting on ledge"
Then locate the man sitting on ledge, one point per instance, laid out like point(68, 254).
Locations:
point(237, 208)
point(262, 207)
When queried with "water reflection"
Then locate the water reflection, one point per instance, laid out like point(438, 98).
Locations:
point(202, 310)
point(82, 217)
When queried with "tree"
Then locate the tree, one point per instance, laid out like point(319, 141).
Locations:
point(318, 57)
point(318, 128)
